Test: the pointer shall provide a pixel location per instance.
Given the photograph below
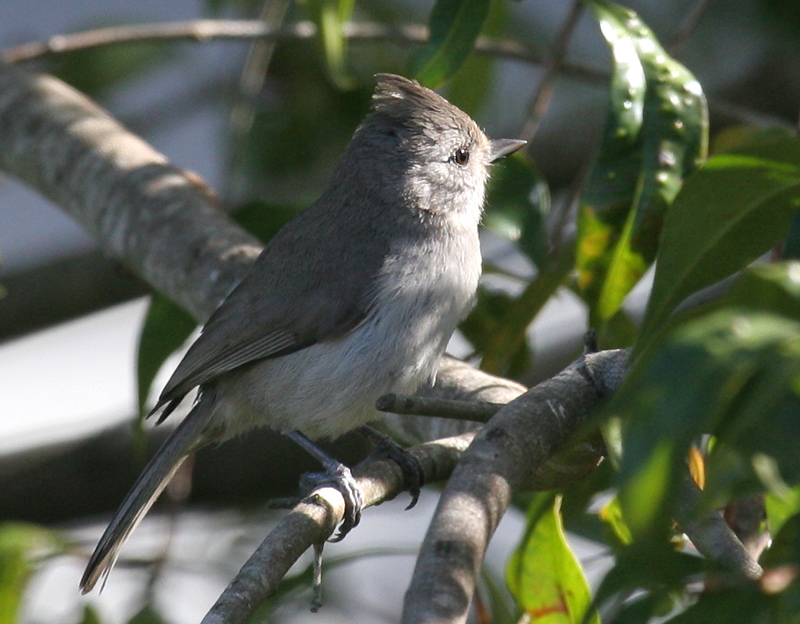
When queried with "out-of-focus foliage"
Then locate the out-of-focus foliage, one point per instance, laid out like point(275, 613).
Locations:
point(21, 545)
point(454, 26)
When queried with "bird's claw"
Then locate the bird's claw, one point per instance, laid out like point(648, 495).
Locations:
point(413, 473)
point(342, 479)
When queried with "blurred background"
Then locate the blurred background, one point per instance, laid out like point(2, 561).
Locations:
point(70, 318)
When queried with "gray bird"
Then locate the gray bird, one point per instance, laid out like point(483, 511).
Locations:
point(354, 298)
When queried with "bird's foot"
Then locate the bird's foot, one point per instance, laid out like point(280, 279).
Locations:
point(385, 447)
point(339, 476)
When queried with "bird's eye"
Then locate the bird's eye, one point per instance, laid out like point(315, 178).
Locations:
point(461, 156)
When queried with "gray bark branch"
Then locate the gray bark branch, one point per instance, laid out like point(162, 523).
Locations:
point(121, 190)
point(503, 459)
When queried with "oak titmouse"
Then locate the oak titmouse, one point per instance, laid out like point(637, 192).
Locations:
point(354, 298)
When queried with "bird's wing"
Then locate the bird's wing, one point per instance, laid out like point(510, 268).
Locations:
point(319, 291)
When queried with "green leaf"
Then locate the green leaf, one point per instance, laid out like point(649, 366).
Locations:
point(454, 26)
point(725, 374)
point(470, 86)
point(735, 208)
point(330, 15)
point(502, 608)
point(90, 615)
point(611, 513)
point(782, 505)
point(743, 605)
point(147, 615)
point(655, 134)
point(19, 545)
point(505, 349)
point(654, 567)
point(518, 205)
point(543, 575)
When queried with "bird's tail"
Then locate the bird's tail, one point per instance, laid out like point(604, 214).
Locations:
point(187, 437)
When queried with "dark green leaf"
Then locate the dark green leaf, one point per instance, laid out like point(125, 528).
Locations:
point(743, 605)
point(470, 87)
point(505, 348)
point(147, 615)
point(454, 26)
point(654, 567)
point(517, 207)
point(90, 615)
point(264, 220)
point(726, 374)
point(543, 575)
point(730, 212)
point(299, 131)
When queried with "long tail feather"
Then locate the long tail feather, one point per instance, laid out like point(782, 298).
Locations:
point(185, 439)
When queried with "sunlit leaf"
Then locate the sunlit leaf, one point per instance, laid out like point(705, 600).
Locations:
point(454, 26)
point(782, 505)
point(543, 575)
point(612, 514)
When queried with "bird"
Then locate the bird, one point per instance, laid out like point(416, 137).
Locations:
point(355, 297)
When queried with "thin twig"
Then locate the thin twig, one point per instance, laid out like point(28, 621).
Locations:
point(544, 92)
point(314, 519)
point(477, 411)
point(203, 31)
point(709, 533)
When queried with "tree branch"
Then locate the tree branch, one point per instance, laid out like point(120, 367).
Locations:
point(502, 460)
point(121, 190)
point(203, 31)
point(313, 520)
point(710, 534)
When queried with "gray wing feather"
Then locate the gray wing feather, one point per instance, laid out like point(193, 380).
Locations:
point(302, 290)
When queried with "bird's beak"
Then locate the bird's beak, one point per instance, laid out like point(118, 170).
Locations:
point(500, 148)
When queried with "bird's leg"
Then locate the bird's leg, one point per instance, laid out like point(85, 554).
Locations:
point(413, 474)
point(339, 475)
